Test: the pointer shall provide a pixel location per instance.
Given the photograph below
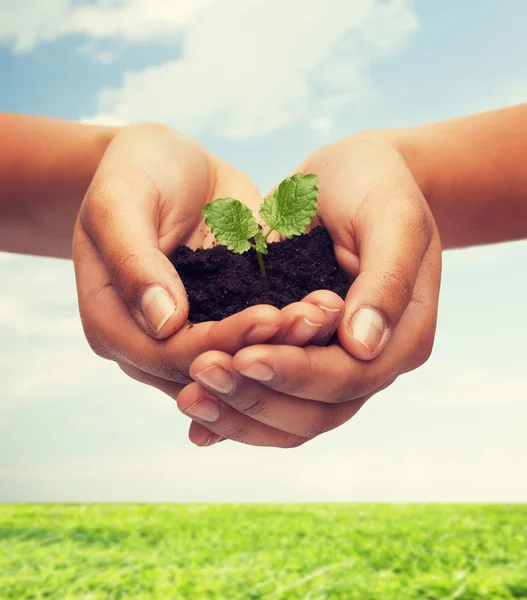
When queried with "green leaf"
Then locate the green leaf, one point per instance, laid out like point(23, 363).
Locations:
point(231, 222)
point(261, 244)
point(291, 208)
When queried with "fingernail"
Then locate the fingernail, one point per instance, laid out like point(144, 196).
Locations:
point(214, 439)
point(303, 329)
point(205, 410)
point(157, 307)
point(258, 371)
point(332, 315)
point(367, 327)
point(217, 379)
point(326, 309)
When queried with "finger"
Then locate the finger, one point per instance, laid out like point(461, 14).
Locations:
point(216, 418)
point(113, 333)
point(414, 337)
point(207, 409)
point(250, 326)
point(332, 306)
point(393, 229)
point(327, 374)
point(301, 323)
point(170, 388)
point(304, 418)
point(121, 214)
point(201, 436)
point(331, 374)
point(381, 227)
point(120, 217)
point(313, 320)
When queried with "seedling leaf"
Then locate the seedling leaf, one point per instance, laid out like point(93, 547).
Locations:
point(232, 223)
point(291, 208)
point(289, 211)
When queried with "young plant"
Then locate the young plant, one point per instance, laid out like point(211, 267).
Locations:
point(289, 211)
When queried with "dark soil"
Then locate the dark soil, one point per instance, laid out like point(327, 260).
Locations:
point(220, 283)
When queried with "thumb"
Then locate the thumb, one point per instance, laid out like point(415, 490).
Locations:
point(121, 218)
point(392, 234)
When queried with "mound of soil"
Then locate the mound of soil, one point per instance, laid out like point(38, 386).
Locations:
point(220, 283)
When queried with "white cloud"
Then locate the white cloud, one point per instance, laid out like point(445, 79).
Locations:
point(250, 68)
point(99, 54)
point(322, 125)
point(26, 24)
point(246, 68)
point(103, 119)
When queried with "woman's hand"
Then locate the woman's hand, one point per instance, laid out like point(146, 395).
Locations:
point(145, 199)
point(384, 234)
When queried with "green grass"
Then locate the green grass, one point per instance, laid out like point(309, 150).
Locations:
point(250, 552)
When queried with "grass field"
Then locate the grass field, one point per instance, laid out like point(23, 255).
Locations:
point(254, 552)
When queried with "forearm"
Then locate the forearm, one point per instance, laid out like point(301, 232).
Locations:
point(46, 166)
point(473, 172)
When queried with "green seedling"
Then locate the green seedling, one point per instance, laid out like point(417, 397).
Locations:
point(288, 210)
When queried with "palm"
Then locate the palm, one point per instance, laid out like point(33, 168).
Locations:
point(181, 221)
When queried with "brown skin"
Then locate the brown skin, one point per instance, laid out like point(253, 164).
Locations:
point(472, 172)
point(384, 234)
point(45, 170)
point(373, 186)
point(140, 191)
point(145, 199)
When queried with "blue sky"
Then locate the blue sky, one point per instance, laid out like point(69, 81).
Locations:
point(263, 84)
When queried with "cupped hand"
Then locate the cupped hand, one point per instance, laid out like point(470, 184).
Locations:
point(145, 199)
point(385, 236)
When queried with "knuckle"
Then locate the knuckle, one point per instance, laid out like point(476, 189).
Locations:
point(98, 345)
point(350, 389)
point(125, 272)
point(175, 373)
point(397, 286)
point(252, 405)
point(96, 209)
point(425, 226)
point(240, 432)
point(344, 395)
point(324, 423)
point(418, 219)
point(301, 382)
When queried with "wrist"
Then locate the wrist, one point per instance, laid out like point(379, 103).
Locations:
point(96, 140)
point(45, 171)
point(412, 148)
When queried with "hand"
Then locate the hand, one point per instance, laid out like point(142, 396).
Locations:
point(384, 234)
point(145, 199)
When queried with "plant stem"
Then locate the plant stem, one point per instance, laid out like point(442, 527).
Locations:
point(261, 264)
point(267, 235)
